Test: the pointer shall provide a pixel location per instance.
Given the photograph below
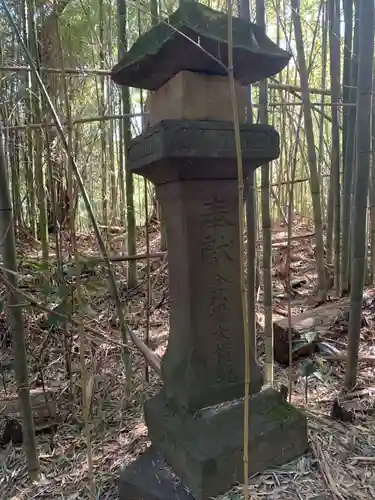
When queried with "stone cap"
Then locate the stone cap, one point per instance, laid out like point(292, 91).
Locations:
point(167, 48)
point(178, 150)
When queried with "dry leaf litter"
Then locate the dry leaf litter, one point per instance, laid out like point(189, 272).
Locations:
point(339, 465)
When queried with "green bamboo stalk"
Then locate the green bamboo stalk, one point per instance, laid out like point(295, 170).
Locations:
point(241, 256)
point(122, 14)
point(334, 38)
point(363, 155)
point(309, 131)
point(266, 223)
point(349, 153)
point(16, 318)
point(124, 327)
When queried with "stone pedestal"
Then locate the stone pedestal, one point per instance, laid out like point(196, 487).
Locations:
point(193, 166)
point(206, 449)
point(149, 477)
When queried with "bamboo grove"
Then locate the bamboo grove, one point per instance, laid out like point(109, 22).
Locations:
point(65, 128)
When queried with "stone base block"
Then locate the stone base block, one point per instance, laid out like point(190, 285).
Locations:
point(206, 449)
point(150, 478)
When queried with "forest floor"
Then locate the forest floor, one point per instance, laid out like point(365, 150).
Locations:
point(339, 465)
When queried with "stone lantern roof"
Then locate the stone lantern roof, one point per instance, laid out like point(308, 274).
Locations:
point(195, 38)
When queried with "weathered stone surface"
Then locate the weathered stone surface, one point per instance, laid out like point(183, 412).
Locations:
point(195, 96)
point(206, 450)
point(181, 149)
point(193, 166)
point(204, 360)
point(149, 477)
point(195, 38)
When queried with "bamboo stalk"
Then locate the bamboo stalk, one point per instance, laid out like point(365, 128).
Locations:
point(361, 185)
point(78, 121)
point(126, 331)
point(159, 255)
point(105, 72)
point(152, 358)
point(241, 256)
point(16, 319)
point(266, 224)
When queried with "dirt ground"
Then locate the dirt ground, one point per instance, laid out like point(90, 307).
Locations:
point(340, 464)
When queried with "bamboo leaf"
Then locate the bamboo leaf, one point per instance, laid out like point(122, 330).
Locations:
point(61, 308)
point(310, 336)
point(88, 392)
point(48, 290)
point(326, 347)
point(319, 375)
point(308, 369)
point(75, 270)
point(298, 345)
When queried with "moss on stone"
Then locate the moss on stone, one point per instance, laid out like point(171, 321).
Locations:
point(156, 56)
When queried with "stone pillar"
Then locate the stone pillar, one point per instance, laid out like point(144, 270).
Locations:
point(204, 361)
point(196, 182)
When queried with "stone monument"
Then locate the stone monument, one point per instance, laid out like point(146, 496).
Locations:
point(195, 423)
